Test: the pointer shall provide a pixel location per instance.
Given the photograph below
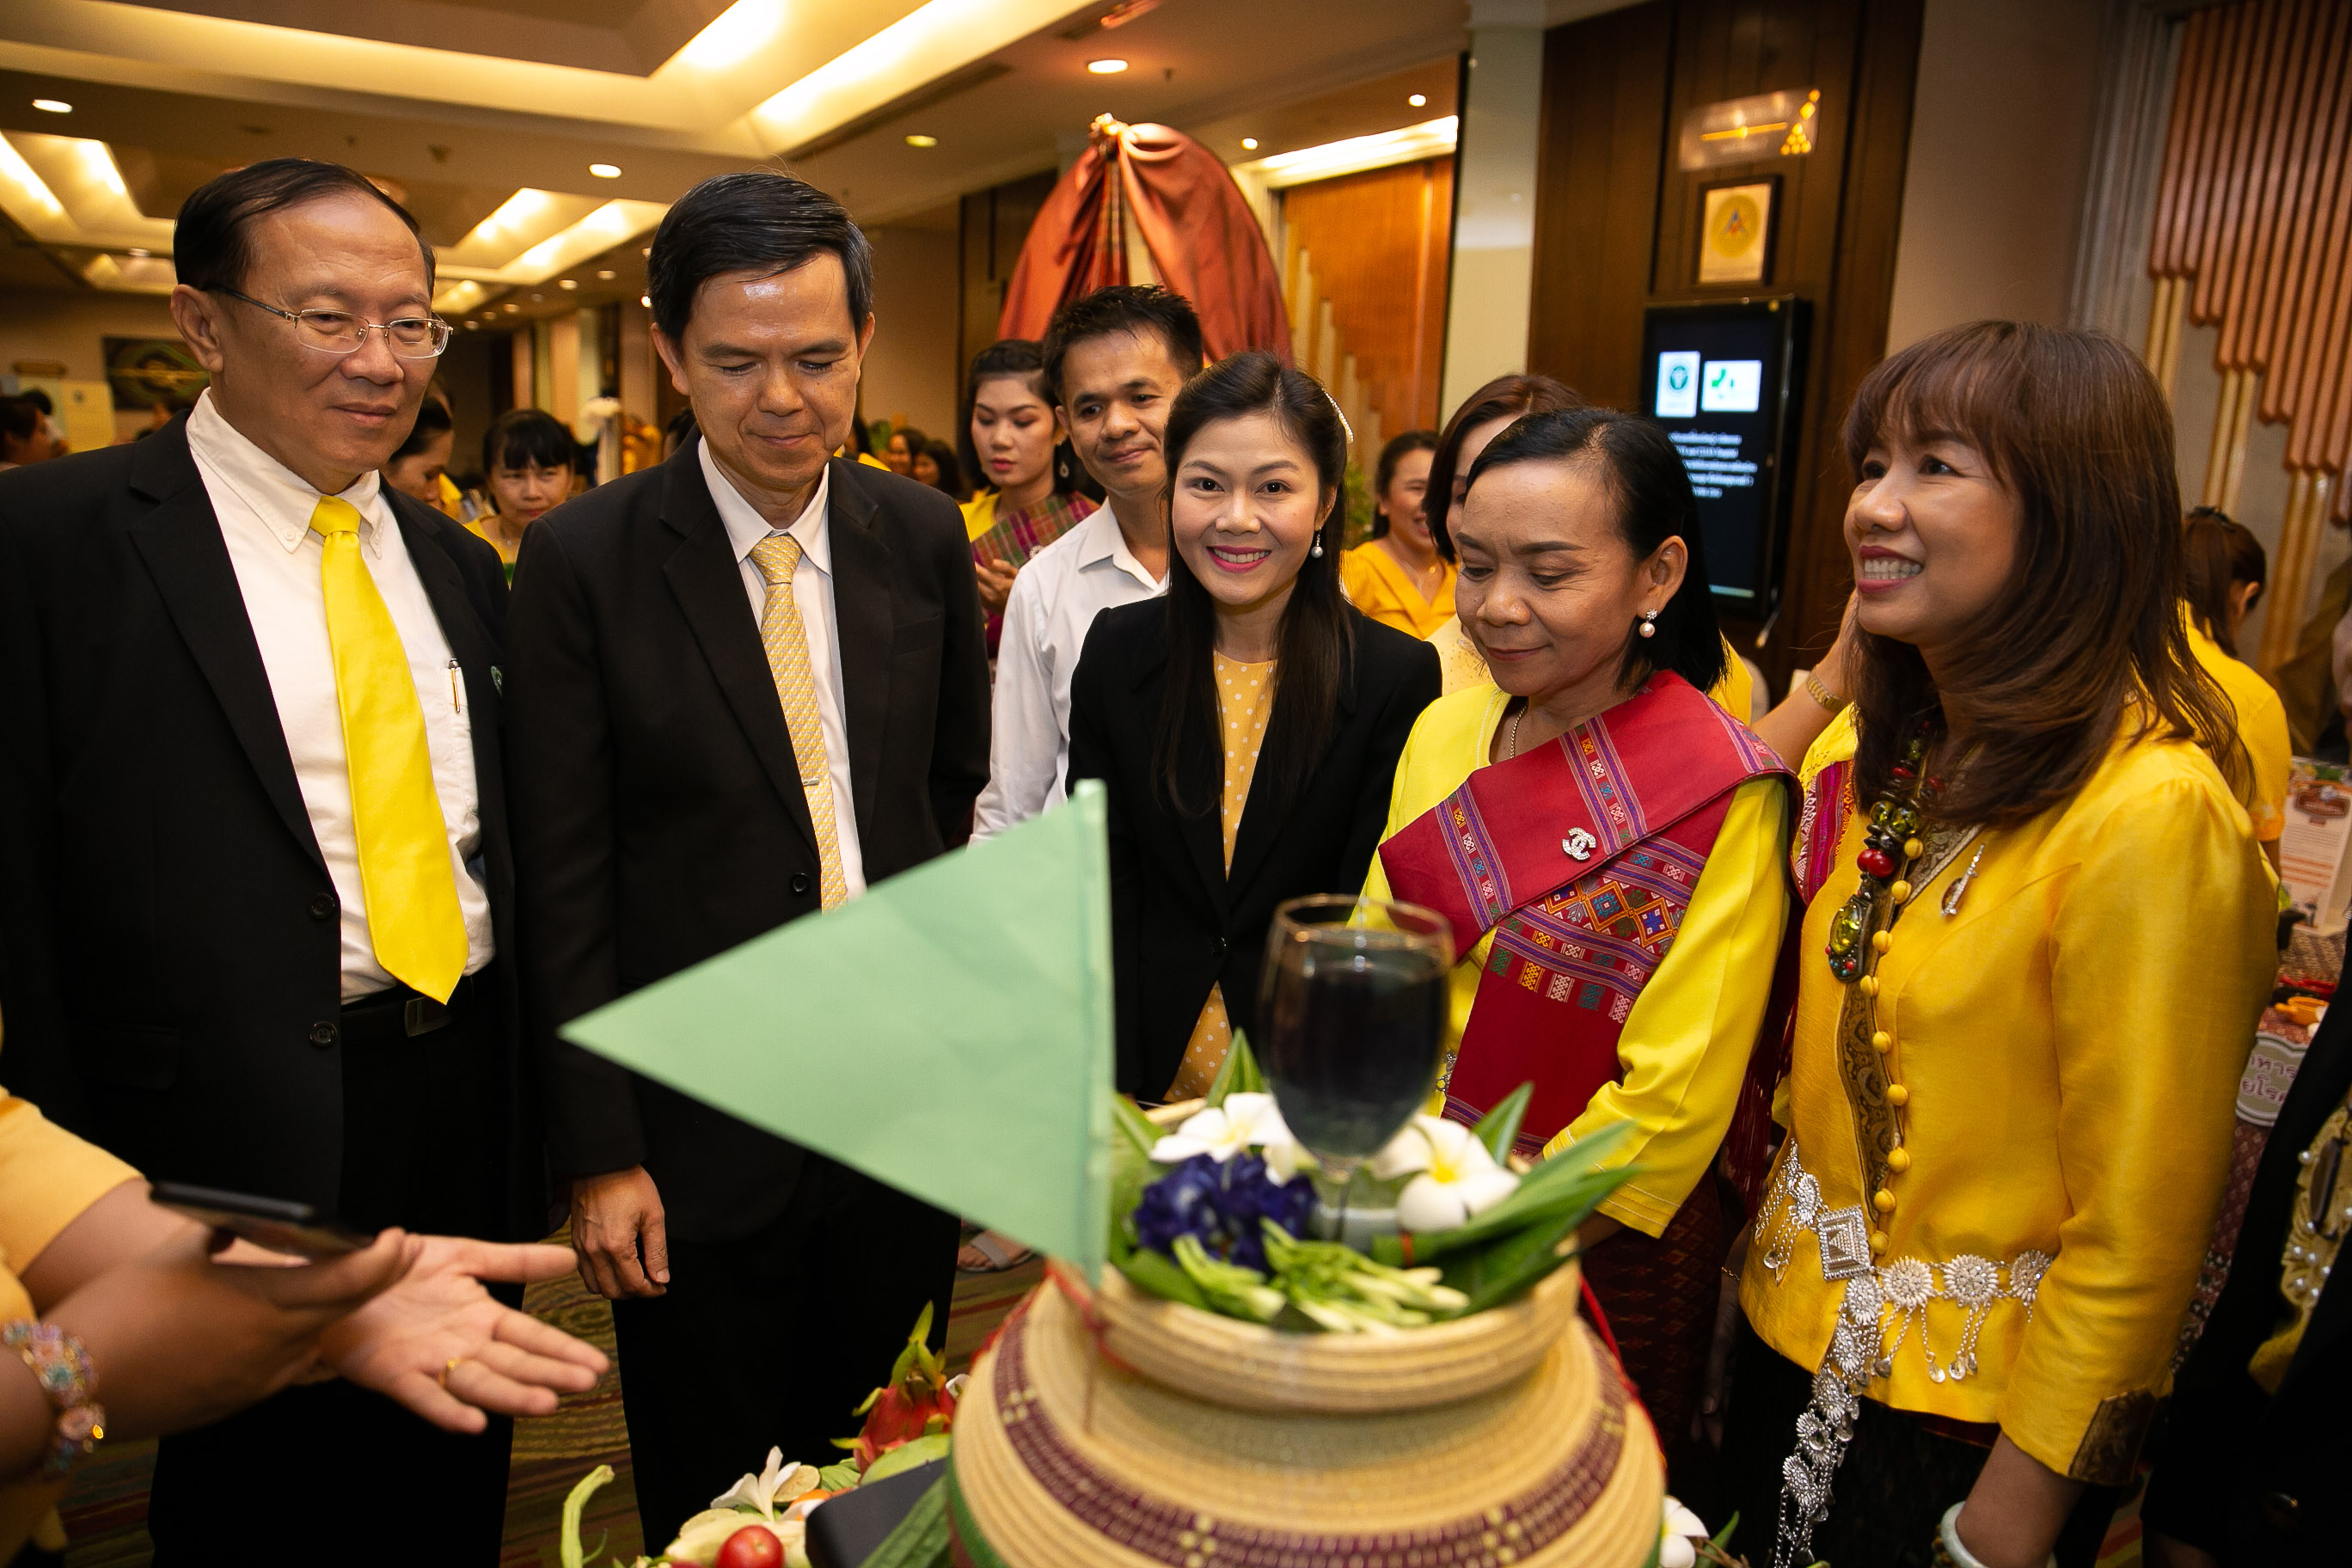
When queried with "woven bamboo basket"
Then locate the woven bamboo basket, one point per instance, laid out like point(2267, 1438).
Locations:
point(1251, 1367)
point(1062, 1460)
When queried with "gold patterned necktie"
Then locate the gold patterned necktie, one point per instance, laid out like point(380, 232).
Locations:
point(786, 640)
point(414, 921)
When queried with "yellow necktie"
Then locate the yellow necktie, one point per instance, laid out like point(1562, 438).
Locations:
point(412, 893)
point(788, 663)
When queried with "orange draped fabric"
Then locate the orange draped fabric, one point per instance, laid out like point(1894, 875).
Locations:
point(1202, 237)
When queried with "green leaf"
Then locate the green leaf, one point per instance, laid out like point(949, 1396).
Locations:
point(920, 1540)
point(1567, 1183)
point(907, 1456)
point(1131, 1170)
point(1156, 1274)
point(574, 1506)
point(1723, 1536)
point(1499, 1128)
point(838, 1478)
point(1239, 1075)
point(1140, 1131)
point(1503, 1270)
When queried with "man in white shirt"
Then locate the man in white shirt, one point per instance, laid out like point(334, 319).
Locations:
point(254, 885)
point(1114, 361)
point(743, 685)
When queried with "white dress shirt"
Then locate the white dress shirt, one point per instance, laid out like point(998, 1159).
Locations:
point(265, 519)
point(813, 595)
point(1053, 602)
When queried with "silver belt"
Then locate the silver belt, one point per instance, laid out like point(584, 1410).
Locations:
point(1879, 1298)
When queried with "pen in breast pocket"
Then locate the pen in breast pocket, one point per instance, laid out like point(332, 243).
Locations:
point(455, 701)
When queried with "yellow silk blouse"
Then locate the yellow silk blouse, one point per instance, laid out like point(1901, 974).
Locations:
point(1686, 1043)
point(1378, 586)
point(2065, 1047)
point(2261, 727)
point(47, 1177)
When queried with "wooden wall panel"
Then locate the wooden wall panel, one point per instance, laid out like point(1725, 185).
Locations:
point(1377, 247)
point(1603, 142)
point(1617, 223)
point(2253, 235)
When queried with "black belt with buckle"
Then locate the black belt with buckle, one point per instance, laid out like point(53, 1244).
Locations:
point(416, 1012)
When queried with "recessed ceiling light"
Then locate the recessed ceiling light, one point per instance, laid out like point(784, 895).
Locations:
point(606, 274)
point(535, 299)
point(567, 283)
point(512, 307)
point(1105, 68)
point(1249, 143)
point(1418, 99)
point(473, 326)
point(647, 301)
point(138, 250)
point(53, 106)
point(920, 139)
point(606, 171)
point(647, 251)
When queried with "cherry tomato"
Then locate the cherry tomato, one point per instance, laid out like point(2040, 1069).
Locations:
point(753, 1546)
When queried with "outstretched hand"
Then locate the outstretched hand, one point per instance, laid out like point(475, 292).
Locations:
point(439, 1343)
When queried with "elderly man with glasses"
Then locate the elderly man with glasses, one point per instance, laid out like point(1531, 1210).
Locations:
point(254, 885)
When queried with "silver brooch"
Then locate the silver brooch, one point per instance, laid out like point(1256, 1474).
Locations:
point(1579, 845)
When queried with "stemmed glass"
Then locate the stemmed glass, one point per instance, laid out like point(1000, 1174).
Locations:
point(1351, 1011)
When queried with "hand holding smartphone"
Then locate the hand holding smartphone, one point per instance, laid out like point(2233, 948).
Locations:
point(279, 1224)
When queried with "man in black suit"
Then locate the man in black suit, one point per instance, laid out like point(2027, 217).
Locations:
point(744, 685)
point(2251, 1464)
point(254, 876)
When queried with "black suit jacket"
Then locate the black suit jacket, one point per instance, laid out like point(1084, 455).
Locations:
point(1180, 924)
point(169, 941)
point(658, 810)
point(2250, 1476)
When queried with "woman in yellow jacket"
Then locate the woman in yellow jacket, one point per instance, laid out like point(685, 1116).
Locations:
point(1609, 844)
point(2038, 937)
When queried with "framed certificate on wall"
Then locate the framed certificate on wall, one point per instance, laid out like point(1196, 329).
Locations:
point(1735, 234)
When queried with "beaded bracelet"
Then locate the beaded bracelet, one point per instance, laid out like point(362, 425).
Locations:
point(62, 1367)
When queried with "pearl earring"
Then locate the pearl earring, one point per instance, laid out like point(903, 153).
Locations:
point(1649, 627)
point(1317, 551)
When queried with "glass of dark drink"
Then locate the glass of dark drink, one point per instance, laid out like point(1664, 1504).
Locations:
point(1351, 1024)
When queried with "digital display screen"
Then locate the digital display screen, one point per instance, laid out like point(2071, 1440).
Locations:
point(1720, 380)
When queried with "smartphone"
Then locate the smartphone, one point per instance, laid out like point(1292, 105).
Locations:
point(278, 1224)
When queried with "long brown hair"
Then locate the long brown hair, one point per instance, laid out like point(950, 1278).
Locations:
point(1505, 397)
point(2217, 553)
point(2088, 625)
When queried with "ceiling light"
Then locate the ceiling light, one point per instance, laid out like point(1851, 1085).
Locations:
point(567, 283)
point(473, 326)
point(647, 301)
point(53, 106)
point(1418, 99)
point(535, 299)
point(1249, 143)
point(139, 251)
point(606, 274)
point(606, 171)
point(921, 141)
point(1105, 68)
point(512, 307)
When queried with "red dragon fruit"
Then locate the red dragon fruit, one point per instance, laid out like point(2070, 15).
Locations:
point(915, 1403)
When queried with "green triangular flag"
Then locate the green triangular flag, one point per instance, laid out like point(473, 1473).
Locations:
point(948, 1033)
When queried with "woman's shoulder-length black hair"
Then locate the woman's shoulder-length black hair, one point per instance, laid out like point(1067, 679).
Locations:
point(1650, 492)
point(528, 437)
point(1316, 648)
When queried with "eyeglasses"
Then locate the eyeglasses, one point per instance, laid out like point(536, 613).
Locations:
point(340, 332)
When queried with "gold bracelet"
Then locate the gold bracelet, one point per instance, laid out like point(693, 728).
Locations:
point(1821, 694)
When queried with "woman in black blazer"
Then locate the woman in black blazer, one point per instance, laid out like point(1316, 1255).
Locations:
point(1246, 726)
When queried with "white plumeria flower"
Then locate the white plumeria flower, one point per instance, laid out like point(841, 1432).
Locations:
point(1245, 1121)
point(1457, 1178)
point(777, 1485)
point(1681, 1527)
point(699, 1538)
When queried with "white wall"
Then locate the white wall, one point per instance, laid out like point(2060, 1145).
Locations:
point(911, 369)
point(2001, 135)
point(1492, 280)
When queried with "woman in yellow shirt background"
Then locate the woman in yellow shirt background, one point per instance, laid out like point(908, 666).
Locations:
point(1398, 576)
point(1621, 914)
point(2010, 1099)
point(2225, 567)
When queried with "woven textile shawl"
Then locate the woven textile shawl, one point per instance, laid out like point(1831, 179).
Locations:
point(1641, 791)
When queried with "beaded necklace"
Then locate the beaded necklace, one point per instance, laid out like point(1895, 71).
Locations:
point(1889, 844)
